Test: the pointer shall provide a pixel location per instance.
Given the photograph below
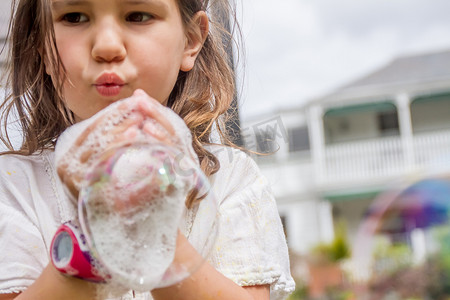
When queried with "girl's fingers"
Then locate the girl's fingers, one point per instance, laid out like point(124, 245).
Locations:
point(153, 108)
point(157, 131)
point(133, 119)
point(86, 132)
point(133, 114)
point(89, 147)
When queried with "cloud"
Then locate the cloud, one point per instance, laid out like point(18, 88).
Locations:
point(301, 49)
point(364, 17)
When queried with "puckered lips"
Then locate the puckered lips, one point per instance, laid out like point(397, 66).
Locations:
point(109, 84)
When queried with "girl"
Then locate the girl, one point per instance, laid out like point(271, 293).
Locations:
point(71, 59)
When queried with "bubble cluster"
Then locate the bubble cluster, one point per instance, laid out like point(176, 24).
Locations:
point(132, 192)
point(131, 206)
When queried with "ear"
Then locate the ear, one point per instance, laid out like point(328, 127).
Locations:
point(196, 35)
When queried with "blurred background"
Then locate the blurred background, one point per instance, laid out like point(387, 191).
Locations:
point(351, 99)
point(354, 99)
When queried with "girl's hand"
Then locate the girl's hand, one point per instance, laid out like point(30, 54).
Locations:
point(136, 118)
point(132, 120)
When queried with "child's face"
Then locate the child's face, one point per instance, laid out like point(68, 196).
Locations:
point(112, 47)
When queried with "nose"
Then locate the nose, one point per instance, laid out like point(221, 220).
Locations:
point(108, 43)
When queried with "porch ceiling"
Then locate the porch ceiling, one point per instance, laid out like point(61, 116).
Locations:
point(352, 109)
point(351, 196)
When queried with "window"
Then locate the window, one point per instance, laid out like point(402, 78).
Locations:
point(388, 123)
point(298, 139)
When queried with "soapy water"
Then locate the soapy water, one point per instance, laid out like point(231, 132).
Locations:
point(133, 181)
point(402, 249)
point(80, 145)
point(131, 208)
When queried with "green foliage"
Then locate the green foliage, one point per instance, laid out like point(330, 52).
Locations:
point(338, 249)
point(390, 258)
point(442, 235)
point(439, 265)
point(394, 269)
point(340, 293)
point(300, 293)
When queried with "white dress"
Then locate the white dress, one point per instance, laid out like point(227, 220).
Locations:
point(250, 248)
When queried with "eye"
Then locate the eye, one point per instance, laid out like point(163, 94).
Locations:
point(138, 17)
point(75, 18)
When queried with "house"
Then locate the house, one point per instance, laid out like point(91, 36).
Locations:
point(338, 152)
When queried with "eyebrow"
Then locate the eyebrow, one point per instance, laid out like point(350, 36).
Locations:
point(58, 3)
point(140, 1)
point(158, 3)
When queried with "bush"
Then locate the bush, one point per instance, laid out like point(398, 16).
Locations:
point(335, 251)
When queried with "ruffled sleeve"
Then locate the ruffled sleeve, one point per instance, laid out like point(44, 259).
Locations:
point(250, 248)
point(22, 247)
point(23, 254)
point(30, 211)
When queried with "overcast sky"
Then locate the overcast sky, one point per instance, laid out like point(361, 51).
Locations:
point(297, 50)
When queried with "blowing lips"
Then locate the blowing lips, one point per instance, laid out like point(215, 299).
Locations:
point(109, 84)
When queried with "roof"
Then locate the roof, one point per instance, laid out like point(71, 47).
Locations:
point(414, 75)
point(407, 69)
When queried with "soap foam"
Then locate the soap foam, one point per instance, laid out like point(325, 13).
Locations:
point(71, 150)
point(133, 229)
point(132, 200)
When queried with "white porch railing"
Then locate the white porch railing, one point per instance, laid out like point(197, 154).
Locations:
point(432, 150)
point(384, 157)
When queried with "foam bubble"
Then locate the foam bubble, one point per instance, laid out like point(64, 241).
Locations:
point(133, 192)
point(75, 155)
point(133, 203)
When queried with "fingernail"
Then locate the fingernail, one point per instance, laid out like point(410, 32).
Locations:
point(130, 133)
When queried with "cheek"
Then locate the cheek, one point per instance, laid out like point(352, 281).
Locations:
point(159, 86)
point(158, 78)
point(72, 54)
point(68, 95)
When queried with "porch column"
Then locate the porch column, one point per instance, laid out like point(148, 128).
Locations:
point(317, 138)
point(406, 131)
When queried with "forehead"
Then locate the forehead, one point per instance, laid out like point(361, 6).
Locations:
point(59, 3)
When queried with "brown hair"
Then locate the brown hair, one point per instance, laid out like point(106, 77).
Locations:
point(204, 94)
point(201, 97)
point(41, 113)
